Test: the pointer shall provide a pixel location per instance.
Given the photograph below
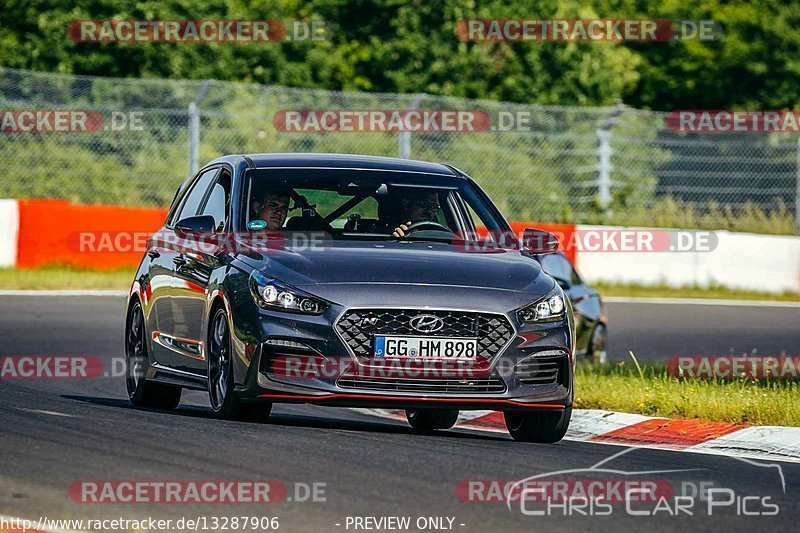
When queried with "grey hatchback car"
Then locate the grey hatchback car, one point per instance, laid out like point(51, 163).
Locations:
point(351, 281)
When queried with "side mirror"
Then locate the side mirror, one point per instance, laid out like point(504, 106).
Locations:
point(536, 241)
point(196, 224)
point(564, 284)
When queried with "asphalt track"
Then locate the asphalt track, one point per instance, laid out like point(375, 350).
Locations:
point(56, 432)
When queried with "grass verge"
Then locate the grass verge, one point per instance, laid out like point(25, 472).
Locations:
point(59, 277)
point(690, 291)
point(648, 390)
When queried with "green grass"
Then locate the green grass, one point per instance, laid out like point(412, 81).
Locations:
point(59, 277)
point(689, 291)
point(648, 390)
point(669, 213)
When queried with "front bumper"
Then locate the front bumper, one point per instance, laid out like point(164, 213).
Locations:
point(342, 372)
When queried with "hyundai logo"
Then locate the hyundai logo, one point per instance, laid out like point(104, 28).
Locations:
point(426, 323)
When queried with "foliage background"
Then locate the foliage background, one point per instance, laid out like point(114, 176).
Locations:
point(410, 46)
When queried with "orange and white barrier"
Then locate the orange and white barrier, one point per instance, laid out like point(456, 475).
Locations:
point(765, 263)
point(56, 232)
point(9, 222)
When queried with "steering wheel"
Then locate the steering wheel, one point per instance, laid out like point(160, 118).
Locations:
point(429, 225)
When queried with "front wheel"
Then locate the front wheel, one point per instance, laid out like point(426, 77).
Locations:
point(542, 426)
point(223, 399)
point(141, 392)
point(431, 419)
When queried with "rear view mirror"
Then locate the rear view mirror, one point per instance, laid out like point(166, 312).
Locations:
point(537, 241)
point(196, 224)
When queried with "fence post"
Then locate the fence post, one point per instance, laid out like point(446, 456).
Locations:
point(194, 138)
point(604, 166)
point(405, 136)
point(797, 190)
point(194, 128)
point(604, 152)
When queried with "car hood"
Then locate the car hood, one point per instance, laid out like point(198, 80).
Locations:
point(335, 269)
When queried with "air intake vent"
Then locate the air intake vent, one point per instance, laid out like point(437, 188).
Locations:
point(544, 368)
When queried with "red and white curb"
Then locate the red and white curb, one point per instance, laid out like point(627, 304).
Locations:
point(694, 436)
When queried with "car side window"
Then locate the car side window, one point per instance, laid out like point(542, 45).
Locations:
point(218, 202)
point(194, 197)
point(557, 266)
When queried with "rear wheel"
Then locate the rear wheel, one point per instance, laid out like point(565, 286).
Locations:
point(542, 427)
point(141, 392)
point(431, 419)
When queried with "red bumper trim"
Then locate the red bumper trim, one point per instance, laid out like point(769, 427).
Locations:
point(402, 399)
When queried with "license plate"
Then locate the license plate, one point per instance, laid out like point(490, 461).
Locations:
point(427, 347)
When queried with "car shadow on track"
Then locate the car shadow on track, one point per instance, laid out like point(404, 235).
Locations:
point(288, 420)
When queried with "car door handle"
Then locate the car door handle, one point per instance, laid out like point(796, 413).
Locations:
point(180, 260)
point(153, 253)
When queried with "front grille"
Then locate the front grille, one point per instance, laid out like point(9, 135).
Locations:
point(492, 384)
point(541, 369)
point(358, 328)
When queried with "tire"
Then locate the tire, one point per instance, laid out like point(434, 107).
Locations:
point(143, 393)
point(598, 344)
point(431, 419)
point(544, 427)
point(221, 394)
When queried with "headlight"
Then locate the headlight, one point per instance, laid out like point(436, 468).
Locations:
point(272, 294)
point(548, 309)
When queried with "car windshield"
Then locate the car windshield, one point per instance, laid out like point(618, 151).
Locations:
point(361, 204)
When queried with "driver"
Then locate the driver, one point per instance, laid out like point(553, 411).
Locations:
point(417, 206)
point(271, 206)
